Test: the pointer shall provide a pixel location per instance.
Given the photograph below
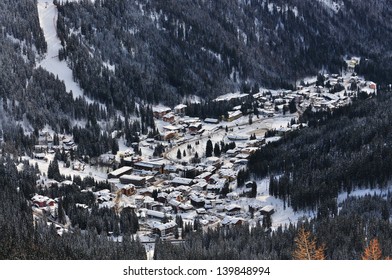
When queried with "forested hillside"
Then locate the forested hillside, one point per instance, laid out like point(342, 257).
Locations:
point(127, 55)
point(340, 151)
point(162, 50)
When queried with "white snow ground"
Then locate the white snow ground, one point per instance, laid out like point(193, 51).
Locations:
point(47, 12)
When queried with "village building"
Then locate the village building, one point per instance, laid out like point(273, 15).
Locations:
point(180, 109)
point(233, 209)
point(161, 197)
point(232, 221)
point(178, 181)
point(197, 201)
point(128, 190)
point(149, 166)
point(194, 127)
point(155, 214)
point(267, 210)
point(168, 117)
point(184, 207)
point(125, 170)
point(165, 230)
point(159, 112)
point(211, 120)
point(234, 115)
point(138, 181)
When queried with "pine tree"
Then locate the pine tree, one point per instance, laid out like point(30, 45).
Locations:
point(217, 151)
point(209, 148)
point(306, 248)
point(178, 154)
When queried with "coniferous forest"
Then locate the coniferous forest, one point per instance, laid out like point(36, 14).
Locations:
point(162, 52)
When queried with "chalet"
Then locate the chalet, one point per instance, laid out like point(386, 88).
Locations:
point(232, 152)
point(156, 206)
point(213, 179)
point(201, 211)
point(372, 86)
point(155, 214)
point(233, 196)
point(211, 121)
point(165, 230)
point(228, 173)
point(40, 201)
point(174, 128)
point(233, 209)
point(174, 203)
point(178, 181)
point(125, 170)
point(139, 199)
point(213, 161)
point(201, 185)
point(232, 221)
point(242, 156)
point(176, 195)
point(169, 168)
point(40, 156)
point(205, 175)
point(234, 115)
point(267, 210)
point(130, 161)
point(170, 135)
point(162, 197)
point(184, 207)
point(183, 189)
point(168, 118)
point(194, 127)
point(78, 166)
point(215, 188)
point(159, 112)
point(240, 162)
point(149, 166)
point(40, 148)
point(147, 192)
point(128, 190)
point(138, 181)
point(188, 171)
point(180, 109)
point(197, 201)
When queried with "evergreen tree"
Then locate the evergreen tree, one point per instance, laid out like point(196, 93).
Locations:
point(217, 151)
point(209, 148)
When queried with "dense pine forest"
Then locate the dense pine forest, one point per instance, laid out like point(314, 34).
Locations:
point(162, 51)
point(128, 55)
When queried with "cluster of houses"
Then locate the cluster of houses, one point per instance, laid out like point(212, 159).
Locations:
point(160, 189)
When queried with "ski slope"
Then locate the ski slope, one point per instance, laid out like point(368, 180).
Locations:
point(47, 12)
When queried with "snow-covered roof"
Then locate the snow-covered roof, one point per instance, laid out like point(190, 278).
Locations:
point(232, 207)
point(166, 226)
point(180, 107)
point(156, 214)
point(121, 170)
point(267, 208)
point(181, 181)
